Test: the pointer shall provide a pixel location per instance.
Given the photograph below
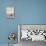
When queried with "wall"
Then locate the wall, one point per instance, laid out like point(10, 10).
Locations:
point(31, 11)
point(27, 12)
point(6, 25)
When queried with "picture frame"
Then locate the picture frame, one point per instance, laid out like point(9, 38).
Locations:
point(10, 12)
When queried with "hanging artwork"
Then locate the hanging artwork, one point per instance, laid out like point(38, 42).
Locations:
point(10, 12)
point(11, 37)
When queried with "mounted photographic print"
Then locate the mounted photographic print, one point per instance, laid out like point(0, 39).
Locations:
point(10, 12)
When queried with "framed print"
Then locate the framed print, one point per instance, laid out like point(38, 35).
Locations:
point(10, 12)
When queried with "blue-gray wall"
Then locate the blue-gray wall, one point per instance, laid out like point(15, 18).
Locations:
point(27, 12)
